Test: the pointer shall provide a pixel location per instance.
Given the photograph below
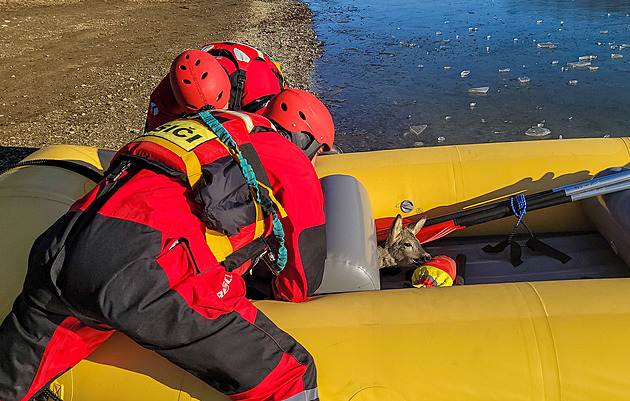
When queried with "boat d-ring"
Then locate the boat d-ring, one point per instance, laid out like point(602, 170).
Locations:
point(406, 206)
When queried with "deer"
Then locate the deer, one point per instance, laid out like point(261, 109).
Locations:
point(402, 248)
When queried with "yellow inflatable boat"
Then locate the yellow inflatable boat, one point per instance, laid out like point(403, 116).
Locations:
point(541, 331)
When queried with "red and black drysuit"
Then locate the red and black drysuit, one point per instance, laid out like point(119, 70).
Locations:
point(136, 259)
point(255, 78)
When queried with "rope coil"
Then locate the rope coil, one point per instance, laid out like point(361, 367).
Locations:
point(519, 211)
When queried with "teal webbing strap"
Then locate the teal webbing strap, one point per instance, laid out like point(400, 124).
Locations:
point(250, 177)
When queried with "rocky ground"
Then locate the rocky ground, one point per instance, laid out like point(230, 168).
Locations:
point(81, 71)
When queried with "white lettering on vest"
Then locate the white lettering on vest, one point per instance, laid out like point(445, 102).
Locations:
point(227, 279)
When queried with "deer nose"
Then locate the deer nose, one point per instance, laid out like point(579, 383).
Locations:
point(423, 259)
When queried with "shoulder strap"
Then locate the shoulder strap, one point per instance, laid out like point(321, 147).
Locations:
point(237, 79)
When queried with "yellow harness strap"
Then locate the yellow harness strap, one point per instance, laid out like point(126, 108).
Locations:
point(281, 210)
point(219, 243)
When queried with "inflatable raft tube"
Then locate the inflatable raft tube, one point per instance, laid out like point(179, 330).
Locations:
point(445, 179)
point(555, 340)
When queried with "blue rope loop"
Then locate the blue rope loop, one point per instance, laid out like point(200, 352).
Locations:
point(250, 177)
point(519, 211)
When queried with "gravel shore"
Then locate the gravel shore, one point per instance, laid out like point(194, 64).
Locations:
point(81, 71)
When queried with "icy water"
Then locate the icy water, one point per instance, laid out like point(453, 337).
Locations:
point(389, 66)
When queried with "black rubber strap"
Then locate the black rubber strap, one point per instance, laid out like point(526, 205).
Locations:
point(496, 248)
point(460, 264)
point(535, 244)
point(515, 250)
point(515, 254)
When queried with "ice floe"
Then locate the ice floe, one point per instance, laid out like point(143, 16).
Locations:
point(482, 90)
point(538, 131)
point(579, 64)
point(418, 129)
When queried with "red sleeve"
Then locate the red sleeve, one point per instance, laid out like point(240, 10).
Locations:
point(297, 188)
point(163, 106)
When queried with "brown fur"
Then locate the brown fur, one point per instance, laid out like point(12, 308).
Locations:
point(402, 248)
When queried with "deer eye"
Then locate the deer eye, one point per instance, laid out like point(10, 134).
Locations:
point(407, 244)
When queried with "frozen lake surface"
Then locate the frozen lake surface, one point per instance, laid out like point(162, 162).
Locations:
point(391, 67)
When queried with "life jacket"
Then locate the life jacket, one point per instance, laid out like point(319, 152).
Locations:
point(192, 149)
point(440, 271)
point(255, 77)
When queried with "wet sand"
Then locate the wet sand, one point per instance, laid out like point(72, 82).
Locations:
point(81, 72)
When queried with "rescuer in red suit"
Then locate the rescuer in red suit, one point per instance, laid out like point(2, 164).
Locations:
point(157, 249)
point(230, 75)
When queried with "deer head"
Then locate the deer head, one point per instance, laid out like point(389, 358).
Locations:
point(402, 248)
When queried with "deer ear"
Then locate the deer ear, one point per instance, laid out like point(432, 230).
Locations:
point(395, 230)
point(417, 226)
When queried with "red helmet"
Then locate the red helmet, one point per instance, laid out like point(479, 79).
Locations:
point(197, 80)
point(261, 85)
point(296, 110)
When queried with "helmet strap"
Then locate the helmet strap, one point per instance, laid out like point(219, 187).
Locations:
point(310, 148)
point(207, 107)
point(302, 140)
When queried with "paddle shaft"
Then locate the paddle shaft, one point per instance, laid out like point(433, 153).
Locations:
point(540, 200)
point(503, 210)
point(498, 210)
